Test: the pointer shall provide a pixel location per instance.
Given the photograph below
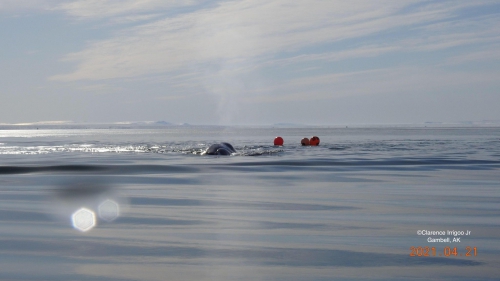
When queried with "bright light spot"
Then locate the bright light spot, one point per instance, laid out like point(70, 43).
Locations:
point(109, 210)
point(83, 219)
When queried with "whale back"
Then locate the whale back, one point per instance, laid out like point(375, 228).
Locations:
point(222, 148)
point(231, 148)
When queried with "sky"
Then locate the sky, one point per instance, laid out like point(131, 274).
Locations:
point(250, 62)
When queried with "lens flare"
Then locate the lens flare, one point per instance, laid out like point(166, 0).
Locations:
point(83, 219)
point(109, 210)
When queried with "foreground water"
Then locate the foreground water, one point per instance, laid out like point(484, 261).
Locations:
point(350, 209)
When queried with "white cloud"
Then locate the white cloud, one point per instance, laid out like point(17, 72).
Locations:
point(252, 50)
point(252, 31)
point(360, 52)
point(91, 9)
point(236, 30)
point(224, 50)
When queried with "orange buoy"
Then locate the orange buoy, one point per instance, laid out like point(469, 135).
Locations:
point(304, 141)
point(278, 141)
point(314, 141)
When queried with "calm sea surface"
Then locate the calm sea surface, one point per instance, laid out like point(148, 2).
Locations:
point(144, 204)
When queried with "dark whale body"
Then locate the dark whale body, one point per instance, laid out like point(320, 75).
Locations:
point(222, 148)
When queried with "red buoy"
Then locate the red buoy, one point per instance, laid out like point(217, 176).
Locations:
point(314, 141)
point(304, 141)
point(278, 141)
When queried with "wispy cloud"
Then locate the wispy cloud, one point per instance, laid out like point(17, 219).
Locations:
point(277, 51)
point(401, 80)
point(489, 54)
point(22, 5)
point(94, 9)
point(256, 31)
point(187, 54)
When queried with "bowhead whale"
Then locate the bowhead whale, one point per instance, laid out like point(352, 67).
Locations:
point(222, 148)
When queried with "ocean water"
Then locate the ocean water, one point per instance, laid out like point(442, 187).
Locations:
point(143, 203)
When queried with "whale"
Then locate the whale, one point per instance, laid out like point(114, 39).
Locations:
point(222, 148)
